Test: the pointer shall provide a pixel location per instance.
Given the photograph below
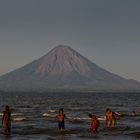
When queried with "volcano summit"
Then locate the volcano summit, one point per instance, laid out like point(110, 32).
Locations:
point(64, 68)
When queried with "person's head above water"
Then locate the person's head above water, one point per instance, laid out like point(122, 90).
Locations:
point(108, 110)
point(90, 115)
point(7, 108)
point(133, 113)
point(61, 110)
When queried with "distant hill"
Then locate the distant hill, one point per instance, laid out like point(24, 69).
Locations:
point(64, 68)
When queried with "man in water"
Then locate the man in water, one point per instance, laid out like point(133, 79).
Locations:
point(94, 123)
point(61, 119)
point(110, 118)
point(6, 120)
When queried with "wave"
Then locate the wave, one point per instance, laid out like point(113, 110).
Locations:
point(102, 118)
point(49, 115)
point(52, 111)
point(17, 116)
point(14, 114)
point(20, 118)
point(53, 115)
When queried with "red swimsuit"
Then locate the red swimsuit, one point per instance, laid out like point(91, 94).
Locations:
point(94, 126)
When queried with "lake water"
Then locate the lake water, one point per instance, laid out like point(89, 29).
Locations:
point(32, 106)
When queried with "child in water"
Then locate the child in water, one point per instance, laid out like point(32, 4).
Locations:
point(110, 118)
point(61, 119)
point(6, 120)
point(94, 123)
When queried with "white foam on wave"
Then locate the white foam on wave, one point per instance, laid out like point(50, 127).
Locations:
point(14, 114)
point(80, 118)
point(102, 118)
point(19, 118)
point(52, 111)
point(49, 115)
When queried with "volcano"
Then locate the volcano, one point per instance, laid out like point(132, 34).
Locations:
point(64, 68)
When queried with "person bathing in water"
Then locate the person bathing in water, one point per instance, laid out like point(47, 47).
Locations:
point(110, 118)
point(133, 114)
point(6, 120)
point(61, 119)
point(94, 123)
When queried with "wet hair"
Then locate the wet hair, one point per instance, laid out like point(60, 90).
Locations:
point(108, 109)
point(7, 107)
point(61, 110)
point(90, 115)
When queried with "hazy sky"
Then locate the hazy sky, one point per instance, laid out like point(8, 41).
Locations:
point(105, 31)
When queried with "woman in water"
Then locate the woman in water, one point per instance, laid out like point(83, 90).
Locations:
point(61, 119)
point(6, 120)
point(94, 123)
point(110, 118)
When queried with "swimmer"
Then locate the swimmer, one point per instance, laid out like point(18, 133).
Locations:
point(110, 118)
point(133, 114)
point(94, 123)
point(6, 120)
point(61, 119)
